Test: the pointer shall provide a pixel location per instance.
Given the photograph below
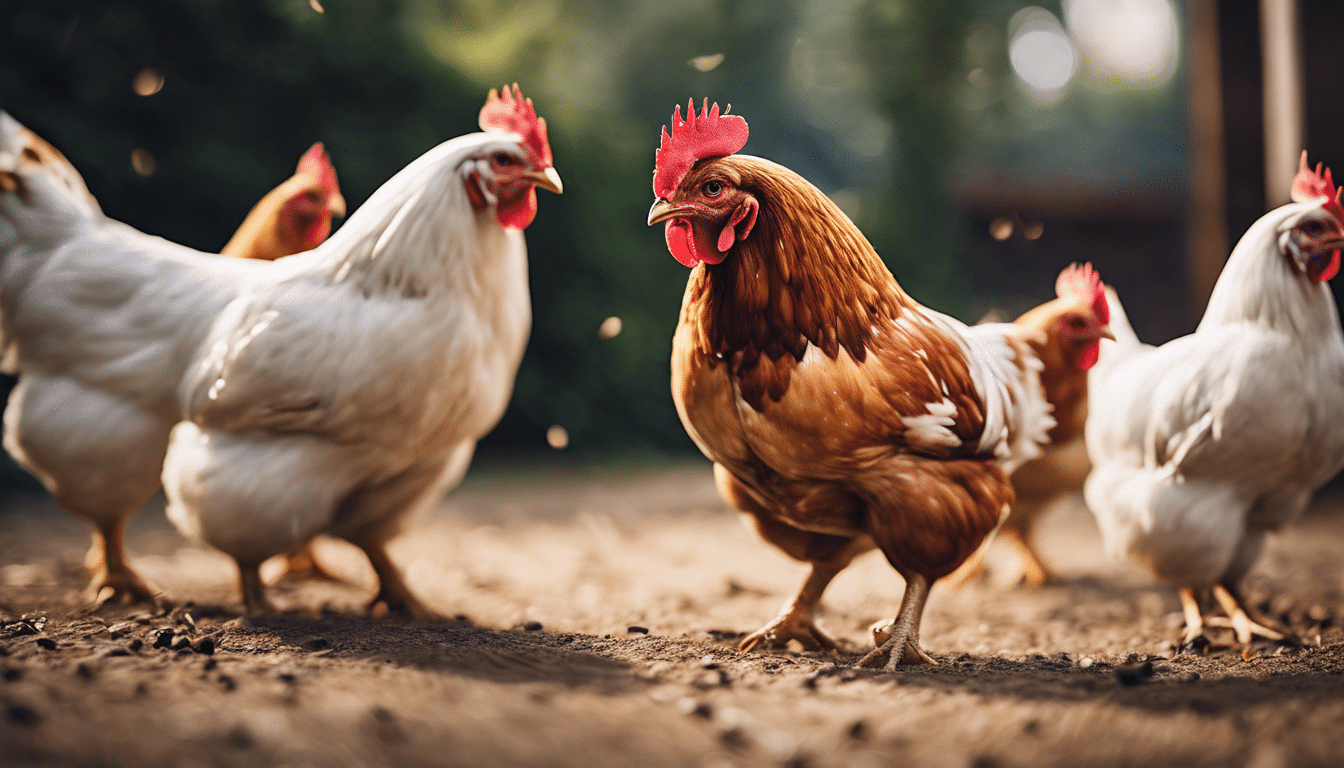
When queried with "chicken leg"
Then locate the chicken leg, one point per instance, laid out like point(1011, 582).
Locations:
point(112, 579)
point(795, 620)
point(901, 647)
point(393, 593)
point(304, 566)
point(255, 602)
point(1246, 622)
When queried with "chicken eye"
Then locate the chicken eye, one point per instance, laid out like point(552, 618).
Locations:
point(713, 188)
point(1312, 228)
point(1077, 323)
point(505, 160)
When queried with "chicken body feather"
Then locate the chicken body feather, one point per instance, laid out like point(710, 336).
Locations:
point(346, 396)
point(840, 414)
point(1204, 445)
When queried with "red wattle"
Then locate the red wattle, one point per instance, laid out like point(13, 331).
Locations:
point(1090, 355)
point(520, 215)
point(1331, 269)
point(681, 243)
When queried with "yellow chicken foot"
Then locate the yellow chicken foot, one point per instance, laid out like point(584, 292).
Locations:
point(901, 647)
point(112, 579)
point(393, 594)
point(1246, 623)
point(1034, 573)
point(304, 566)
point(795, 620)
point(1194, 616)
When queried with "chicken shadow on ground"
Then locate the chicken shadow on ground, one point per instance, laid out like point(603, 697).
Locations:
point(501, 656)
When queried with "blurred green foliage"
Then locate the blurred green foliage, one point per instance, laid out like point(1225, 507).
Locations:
point(860, 96)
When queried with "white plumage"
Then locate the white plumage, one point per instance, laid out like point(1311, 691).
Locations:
point(1204, 445)
point(339, 390)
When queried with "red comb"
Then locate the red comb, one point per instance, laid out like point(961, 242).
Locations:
point(1310, 186)
point(315, 163)
point(708, 134)
point(1081, 281)
point(508, 111)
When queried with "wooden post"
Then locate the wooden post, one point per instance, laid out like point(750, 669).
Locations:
point(1285, 133)
point(1207, 240)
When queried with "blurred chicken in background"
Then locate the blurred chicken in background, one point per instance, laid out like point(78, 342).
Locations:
point(1203, 446)
point(1067, 339)
point(92, 424)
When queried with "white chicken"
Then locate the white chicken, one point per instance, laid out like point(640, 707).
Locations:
point(1202, 446)
point(347, 394)
point(410, 323)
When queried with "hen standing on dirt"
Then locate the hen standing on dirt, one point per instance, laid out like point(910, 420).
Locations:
point(349, 394)
point(840, 414)
point(1202, 446)
point(100, 321)
point(1067, 336)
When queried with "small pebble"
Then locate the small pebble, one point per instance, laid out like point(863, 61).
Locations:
point(206, 645)
point(22, 715)
point(182, 644)
point(209, 665)
point(46, 643)
point(533, 626)
point(136, 645)
point(708, 662)
point(636, 630)
point(1085, 662)
point(1190, 677)
point(163, 638)
point(318, 643)
point(288, 677)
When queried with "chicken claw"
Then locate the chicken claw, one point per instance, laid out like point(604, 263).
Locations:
point(899, 638)
point(788, 626)
point(112, 579)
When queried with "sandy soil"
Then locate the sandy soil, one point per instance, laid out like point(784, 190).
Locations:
point(599, 613)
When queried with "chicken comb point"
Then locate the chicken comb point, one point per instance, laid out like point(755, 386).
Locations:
point(316, 163)
point(1081, 281)
point(708, 134)
point(1311, 185)
point(509, 111)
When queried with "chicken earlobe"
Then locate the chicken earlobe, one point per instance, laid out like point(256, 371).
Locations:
point(745, 215)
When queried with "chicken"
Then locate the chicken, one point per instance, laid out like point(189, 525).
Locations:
point(1068, 333)
point(103, 321)
point(91, 414)
point(840, 414)
point(295, 216)
point(1204, 445)
point(345, 394)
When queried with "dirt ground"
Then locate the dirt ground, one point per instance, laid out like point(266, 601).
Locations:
point(599, 611)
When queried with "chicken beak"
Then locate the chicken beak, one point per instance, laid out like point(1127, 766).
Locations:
point(662, 210)
point(336, 205)
point(1106, 333)
point(547, 179)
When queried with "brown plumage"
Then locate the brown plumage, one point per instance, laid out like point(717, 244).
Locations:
point(1064, 334)
point(295, 216)
point(840, 414)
